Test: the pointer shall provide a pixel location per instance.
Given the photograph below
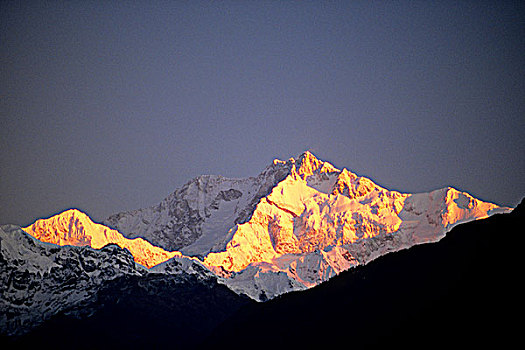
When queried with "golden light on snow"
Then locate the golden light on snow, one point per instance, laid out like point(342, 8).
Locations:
point(75, 228)
point(311, 221)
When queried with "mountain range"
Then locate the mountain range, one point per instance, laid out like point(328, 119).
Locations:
point(299, 223)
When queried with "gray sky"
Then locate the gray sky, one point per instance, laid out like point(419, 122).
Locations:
point(111, 105)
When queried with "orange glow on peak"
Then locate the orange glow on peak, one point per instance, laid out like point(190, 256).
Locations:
point(72, 227)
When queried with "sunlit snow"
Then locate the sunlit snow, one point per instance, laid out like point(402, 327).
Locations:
point(297, 224)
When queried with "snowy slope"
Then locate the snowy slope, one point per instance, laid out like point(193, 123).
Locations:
point(303, 221)
point(73, 227)
point(297, 224)
point(320, 221)
point(197, 217)
point(39, 280)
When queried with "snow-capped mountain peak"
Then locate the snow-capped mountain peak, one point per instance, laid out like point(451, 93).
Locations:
point(295, 225)
point(73, 227)
point(307, 164)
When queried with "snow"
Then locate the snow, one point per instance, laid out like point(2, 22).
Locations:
point(14, 247)
point(297, 224)
point(75, 228)
point(222, 218)
point(39, 280)
point(189, 213)
point(312, 233)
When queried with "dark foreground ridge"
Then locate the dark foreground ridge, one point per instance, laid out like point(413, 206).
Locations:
point(464, 290)
point(144, 312)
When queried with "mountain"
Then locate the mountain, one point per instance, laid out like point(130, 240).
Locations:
point(99, 298)
point(39, 280)
point(463, 291)
point(199, 215)
point(73, 227)
point(297, 224)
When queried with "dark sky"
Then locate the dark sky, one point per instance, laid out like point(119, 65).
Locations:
point(109, 106)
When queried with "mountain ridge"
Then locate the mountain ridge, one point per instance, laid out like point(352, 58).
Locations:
point(73, 227)
point(463, 290)
point(295, 225)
